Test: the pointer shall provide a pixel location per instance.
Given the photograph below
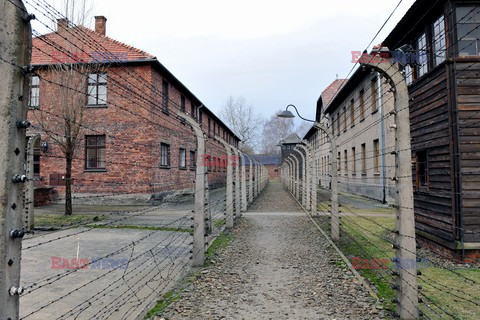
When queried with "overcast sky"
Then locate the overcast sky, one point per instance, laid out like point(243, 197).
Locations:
point(272, 52)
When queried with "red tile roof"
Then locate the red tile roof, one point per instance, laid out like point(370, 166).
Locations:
point(329, 93)
point(82, 45)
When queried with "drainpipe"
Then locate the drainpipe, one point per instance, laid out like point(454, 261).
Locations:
point(381, 138)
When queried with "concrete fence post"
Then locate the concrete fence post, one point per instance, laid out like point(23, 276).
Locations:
point(16, 47)
point(302, 174)
point(237, 183)
point(405, 243)
point(201, 184)
point(314, 185)
point(29, 186)
point(250, 181)
point(307, 173)
point(229, 187)
point(296, 176)
point(244, 183)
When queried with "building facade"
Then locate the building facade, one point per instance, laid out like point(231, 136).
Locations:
point(123, 102)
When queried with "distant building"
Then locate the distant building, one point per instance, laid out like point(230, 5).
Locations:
point(272, 162)
point(288, 144)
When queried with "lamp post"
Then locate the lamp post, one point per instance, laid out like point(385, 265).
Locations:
point(334, 220)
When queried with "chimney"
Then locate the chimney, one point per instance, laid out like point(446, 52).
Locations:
point(62, 25)
point(101, 25)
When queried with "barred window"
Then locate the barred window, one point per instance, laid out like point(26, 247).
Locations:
point(97, 89)
point(164, 155)
point(193, 159)
point(95, 152)
point(165, 96)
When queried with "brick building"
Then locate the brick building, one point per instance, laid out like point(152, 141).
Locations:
point(271, 162)
point(132, 140)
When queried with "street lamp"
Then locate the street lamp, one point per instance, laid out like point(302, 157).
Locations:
point(335, 228)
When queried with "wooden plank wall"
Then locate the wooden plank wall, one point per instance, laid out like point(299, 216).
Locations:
point(468, 103)
point(430, 130)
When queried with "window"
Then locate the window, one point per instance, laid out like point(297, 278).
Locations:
point(344, 119)
point(339, 120)
point(376, 154)
point(192, 111)
point(200, 116)
point(362, 105)
point(339, 160)
point(95, 152)
point(352, 113)
point(97, 89)
point(422, 55)
point(182, 161)
point(182, 103)
point(34, 101)
point(165, 96)
point(374, 95)
point(209, 127)
point(408, 74)
point(439, 41)
point(354, 162)
point(164, 155)
point(193, 159)
point(364, 159)
point(333, 125)
point(422, 169)
point(345, 160)
point(468, 19)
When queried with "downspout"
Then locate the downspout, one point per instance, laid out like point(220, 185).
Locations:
point(382, 138)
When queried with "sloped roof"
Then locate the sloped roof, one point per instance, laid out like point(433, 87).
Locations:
point(268, 159)
point(329, 93)
point(293, 138)
point(85, 45)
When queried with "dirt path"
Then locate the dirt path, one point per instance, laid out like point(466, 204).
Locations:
point(277, 267)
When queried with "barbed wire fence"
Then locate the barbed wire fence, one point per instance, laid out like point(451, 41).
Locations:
point(136, 253)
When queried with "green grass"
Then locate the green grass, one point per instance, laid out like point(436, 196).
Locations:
point(61, 220)
point(167, 299)
point(132, 227)
point(219, 243)
point(219, 223)
point(440, 285)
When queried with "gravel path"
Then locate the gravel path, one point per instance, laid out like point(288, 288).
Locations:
point(277, 267)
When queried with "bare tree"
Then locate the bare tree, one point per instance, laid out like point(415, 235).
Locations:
point(71, 76)
point(303, 128)
point(275, 130)
point(242, 119)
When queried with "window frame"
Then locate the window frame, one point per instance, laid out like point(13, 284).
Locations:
point(34, 87)
point(193, 160)
point(164, 146)
point(184, 166)
point(425, 184)
point(354, 162)
point(364, 159)
point(165, 96)
point(96, 147)
point(376, 156)
point(97, 84)
point(439, 39)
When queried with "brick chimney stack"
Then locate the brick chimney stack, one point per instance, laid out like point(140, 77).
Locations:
point(62, 25)
point(101, 25)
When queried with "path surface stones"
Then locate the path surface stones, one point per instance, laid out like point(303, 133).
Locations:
point(277, 267)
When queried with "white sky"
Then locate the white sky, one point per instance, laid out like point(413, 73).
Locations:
point(272, 52)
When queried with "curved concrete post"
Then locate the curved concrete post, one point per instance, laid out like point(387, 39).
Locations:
point(28, 216)
point(295, 176)
point(198, 258)
point(334, 219)
point(229, 187)
point(307, 173)
point(291, 175)
point(302, 174)
point(407, 282)
point(313, 188)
